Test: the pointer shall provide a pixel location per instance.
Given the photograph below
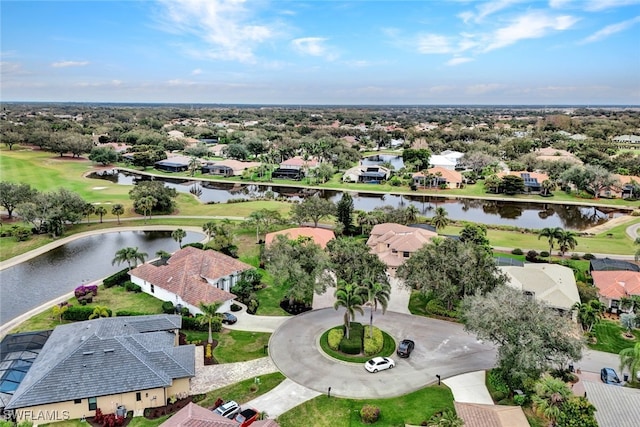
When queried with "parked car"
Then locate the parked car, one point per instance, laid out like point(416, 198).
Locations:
point(228, 318)
point(379, 364)
point(228, 410)
point(246, 417)
point(609, 376)
point(405, 348)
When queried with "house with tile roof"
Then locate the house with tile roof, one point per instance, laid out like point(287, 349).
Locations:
point(438, 177)
point(294, 168)
point(394, 243)
point(191, 276)
point(228, 167)
point(127, 363)
point(193, 415)
point(615, 285)
point(372, 174)
point(532, 180)
point(553, 284)
point(320, 236)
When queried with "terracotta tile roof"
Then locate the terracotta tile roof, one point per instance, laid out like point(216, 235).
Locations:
point(390, 240)
point(616, 284)
point(479, 415)
point(626, 179)
point(448, 174)
point(320, 236)
point(237, 165)
point(194, 415)
point(299, 162)
point(186, 272)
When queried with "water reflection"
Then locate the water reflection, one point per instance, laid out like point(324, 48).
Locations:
point(516, 214)
point(37, 281)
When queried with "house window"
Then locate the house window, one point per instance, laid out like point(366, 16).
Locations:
point(153, 289)
point(93, 403)
point(405, 254)
point(138, 397)
point(76, 401)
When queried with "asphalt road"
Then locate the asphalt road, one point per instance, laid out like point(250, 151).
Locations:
point(442, 348)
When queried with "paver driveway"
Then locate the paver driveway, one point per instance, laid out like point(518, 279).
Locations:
point(442, 348)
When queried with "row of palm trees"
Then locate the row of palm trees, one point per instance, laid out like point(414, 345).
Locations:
point(565, 239)
point(353, 297)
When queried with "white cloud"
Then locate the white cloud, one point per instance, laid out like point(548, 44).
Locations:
point(559, 4)
point(65, 64)
point(313, 46)
point(611, 29)
point(227, 27)
point(484, 10)
point(532, 25)
point(196, 72)
point(458, 60)
point(598, 5)
point(433, 43)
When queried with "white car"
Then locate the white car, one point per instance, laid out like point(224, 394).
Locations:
point(379, 364)
point(228, 410)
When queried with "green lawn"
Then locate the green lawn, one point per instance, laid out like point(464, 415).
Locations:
point(244, 391)
point(234, 346)
point(115, 298)
point(413, 408)
point(609, 337)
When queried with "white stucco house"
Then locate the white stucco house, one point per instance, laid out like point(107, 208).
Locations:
point(191, 276)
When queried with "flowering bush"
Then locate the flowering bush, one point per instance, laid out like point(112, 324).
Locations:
point(83, 290)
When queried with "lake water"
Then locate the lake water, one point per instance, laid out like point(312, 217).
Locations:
point(57, 272)
point(518, 214)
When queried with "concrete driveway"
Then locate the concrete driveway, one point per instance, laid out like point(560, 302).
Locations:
point(442, 348)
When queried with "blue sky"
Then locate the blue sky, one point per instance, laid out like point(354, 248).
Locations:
point(584, 52)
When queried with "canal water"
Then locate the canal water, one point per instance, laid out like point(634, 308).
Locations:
point(57, 272)
point(532, 215)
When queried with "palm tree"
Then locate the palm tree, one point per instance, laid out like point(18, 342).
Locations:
point(637, 255)
point(193, 165)
point(552, 234)
point(630, 359)
point(257, 218)
point(129, 255)
point(209, 312)
point(440, 220)
point(447, 418)
point(178, 234)
point(550, 394)
point(146, 204)
point(117, 210)
point(101, 211)
point(347, 296)
point(566, 241)
point(547, 187)
point(375, 293)
point(88, 210)
point(589, 313)
point(210, 229)
point(411, 213)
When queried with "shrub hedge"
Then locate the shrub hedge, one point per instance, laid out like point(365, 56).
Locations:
point(334, 338)
point(353, 345)
point(80, 312)
point(132, 287)
point(116, 279)
point(168, 308)
point(373, 345)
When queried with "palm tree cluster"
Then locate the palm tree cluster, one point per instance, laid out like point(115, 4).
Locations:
point(589, 313)
point(353, 297)
point(565, 239)
point(129, 255)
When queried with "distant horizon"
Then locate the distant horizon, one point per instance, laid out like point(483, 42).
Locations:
point(586, 106)
point(308, 52)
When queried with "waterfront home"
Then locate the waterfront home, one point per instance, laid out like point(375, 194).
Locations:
point(394, 243)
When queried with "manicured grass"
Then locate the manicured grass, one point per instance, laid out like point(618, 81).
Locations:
point(115, 298)
point(609, 337)
point(135, 422)
point(388, 348)
point(244, 391)
point(234, 346)
point(413, 408)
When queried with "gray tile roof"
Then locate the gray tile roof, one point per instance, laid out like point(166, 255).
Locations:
point(615, 406)
point(105, 356)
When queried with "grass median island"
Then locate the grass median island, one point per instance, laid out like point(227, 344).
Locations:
point(387, 350)
point(412, 408)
